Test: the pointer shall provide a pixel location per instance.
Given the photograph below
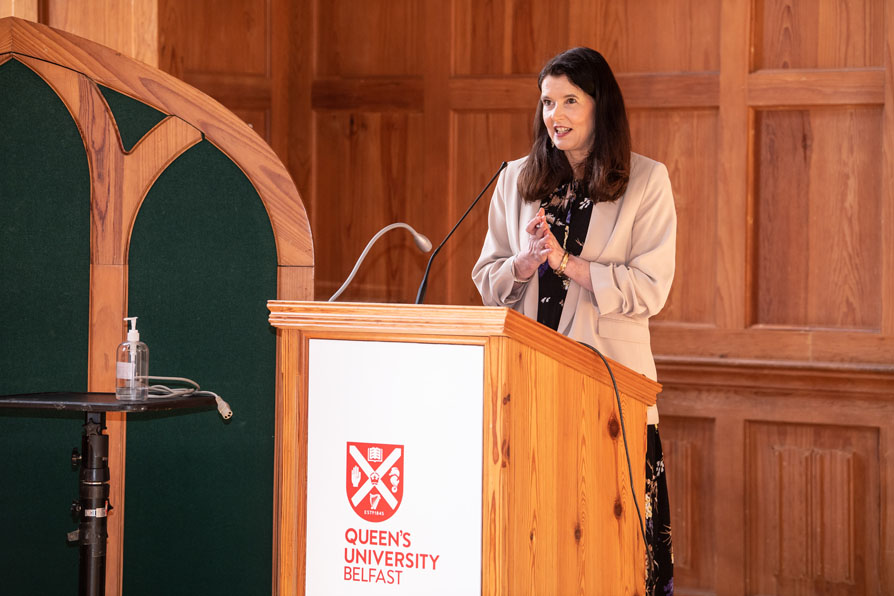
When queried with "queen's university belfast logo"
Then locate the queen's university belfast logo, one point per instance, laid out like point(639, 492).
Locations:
point(375, 479)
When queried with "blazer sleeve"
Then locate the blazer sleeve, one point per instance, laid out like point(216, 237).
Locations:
point(493, 272)
point(639, 287)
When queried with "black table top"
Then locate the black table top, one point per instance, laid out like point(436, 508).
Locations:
point(101, 402)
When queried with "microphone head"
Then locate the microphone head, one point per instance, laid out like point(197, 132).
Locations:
point(422, 242)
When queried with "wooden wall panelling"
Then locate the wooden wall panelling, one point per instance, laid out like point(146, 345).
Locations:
point(886, 439)
point(438, 192)
point(817, 218)
point(375, 38)
point(683, 36)
point(290, 46)
point(826, 34)
point(367, 99)
point(788, 521)
point(686, 141)
point(370, 94)
point(508, 37)
point(23, 9)
point(293, 47)
point(229, 60)
point(496, 137)
point(382, 154)
point(857, 350)
point(703, 450)
point(586, 21)
point(729, 502)
point(844, 291)
point(847, 37)
point(812, 511)
point(494, 94)
point(887, 174)
point(234, 41)
point(479, 33)
point(690, 462)
point(886, 505)
point(130, 27)
point(732, 176)
point(532, 42)
point(799, 88)
point(671, 71)
point(669, 90)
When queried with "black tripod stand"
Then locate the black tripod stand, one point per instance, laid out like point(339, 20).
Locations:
point(93, 504)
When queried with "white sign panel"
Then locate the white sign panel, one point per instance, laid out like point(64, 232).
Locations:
point(394, 468)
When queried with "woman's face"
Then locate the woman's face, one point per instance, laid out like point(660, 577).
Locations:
point(568, 116)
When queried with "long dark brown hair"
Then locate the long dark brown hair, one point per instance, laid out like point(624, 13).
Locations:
point(607, 167)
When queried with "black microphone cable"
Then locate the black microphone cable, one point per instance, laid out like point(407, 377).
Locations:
point(420, 295)
point(642, 526)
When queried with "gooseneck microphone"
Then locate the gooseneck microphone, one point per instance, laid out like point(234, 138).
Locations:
point(420, 295)
point(423, 243)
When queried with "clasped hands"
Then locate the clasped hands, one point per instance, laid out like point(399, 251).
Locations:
point(542, 247)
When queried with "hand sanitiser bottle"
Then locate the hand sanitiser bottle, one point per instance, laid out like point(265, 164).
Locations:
point(132, 369)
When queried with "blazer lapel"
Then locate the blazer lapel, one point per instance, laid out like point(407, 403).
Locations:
point(601, 229)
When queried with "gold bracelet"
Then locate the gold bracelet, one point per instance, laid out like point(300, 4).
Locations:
point(561, 269)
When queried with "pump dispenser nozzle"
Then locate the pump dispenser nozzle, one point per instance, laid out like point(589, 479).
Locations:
point(132, 333)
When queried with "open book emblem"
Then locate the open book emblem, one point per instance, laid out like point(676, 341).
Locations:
point(375, 479)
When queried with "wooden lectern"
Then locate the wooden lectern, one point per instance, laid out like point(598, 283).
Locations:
point(440, 449)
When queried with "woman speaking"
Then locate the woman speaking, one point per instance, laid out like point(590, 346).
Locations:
point(581, 236)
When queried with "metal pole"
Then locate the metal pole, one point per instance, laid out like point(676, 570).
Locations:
point(92, 503)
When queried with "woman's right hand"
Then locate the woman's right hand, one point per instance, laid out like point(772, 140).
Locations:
point(528, 260)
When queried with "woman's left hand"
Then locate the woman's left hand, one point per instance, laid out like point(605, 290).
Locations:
point(556, 252)
point(576, 268)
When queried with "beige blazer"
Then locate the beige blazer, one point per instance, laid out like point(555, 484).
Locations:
point(630, 245)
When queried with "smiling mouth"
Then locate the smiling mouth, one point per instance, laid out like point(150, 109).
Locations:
point(562, 130)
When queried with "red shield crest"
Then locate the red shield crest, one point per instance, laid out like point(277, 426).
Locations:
point(375, 479)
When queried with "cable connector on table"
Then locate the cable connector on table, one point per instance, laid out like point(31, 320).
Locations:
point(223, 408)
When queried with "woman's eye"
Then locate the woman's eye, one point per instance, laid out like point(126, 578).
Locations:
point(547, 102)
point(572, 100)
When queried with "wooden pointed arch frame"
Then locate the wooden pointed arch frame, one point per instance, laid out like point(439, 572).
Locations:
point(120, 180)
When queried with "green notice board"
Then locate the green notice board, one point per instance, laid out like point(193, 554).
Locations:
point(199, 491)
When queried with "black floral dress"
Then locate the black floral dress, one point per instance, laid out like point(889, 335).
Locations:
point(568, 210)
